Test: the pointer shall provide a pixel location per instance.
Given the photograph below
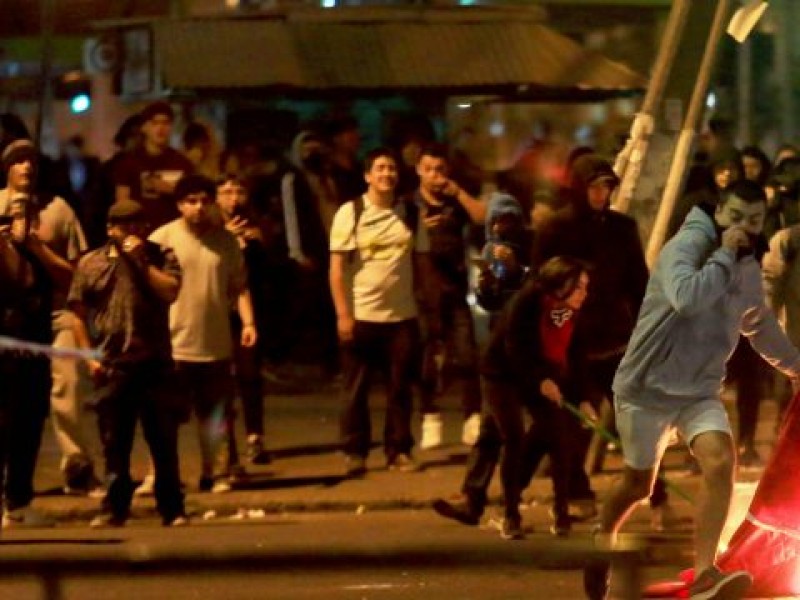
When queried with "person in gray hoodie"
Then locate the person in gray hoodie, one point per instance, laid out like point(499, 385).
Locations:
point(704, 290)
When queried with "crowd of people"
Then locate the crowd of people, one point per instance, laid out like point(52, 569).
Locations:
point(178, 273)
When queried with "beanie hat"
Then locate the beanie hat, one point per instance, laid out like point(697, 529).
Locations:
point(18, 151)
point(124, 210)
point(159, 107)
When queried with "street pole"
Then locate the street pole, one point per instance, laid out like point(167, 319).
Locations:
point(685, 145)
point(629, 161)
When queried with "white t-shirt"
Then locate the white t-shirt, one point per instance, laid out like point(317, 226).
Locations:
point(213, 275)
point(381, 273)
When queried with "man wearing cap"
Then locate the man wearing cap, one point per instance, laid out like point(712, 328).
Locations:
point(588, 229)
point(60, 229)
point(121, 293)
point(149, 173)
point(214, 279)
point(30, 272)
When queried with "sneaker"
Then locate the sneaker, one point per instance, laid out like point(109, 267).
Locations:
point(713, 584)
point(458, 508)
point(403, 463)
point(561, 526)
point(147, 487)
point(205, 483)
point(255, 453)
point(27, 517)
point(431, 431)
point(471, 430)
point(355, 465)
point(237, 475)
point(106, 521)
point(221, 485)
point(179, 521)
point(511, 528)
point(597, 574)
point(97, 491)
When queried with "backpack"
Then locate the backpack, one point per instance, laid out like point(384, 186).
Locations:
point(410, 216)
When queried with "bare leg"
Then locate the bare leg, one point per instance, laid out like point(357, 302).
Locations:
point(715, 453)
point(634, 486)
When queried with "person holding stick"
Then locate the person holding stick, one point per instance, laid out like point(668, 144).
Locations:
point(704, 290)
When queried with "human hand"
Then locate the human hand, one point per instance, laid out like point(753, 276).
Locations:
point(432, 221)
point(734, 238)
point(550, 390)
point(345, 325)
point(97, 371)
point(249, 336)
point(589, 412)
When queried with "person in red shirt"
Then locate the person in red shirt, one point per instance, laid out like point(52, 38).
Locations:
point(532, 362)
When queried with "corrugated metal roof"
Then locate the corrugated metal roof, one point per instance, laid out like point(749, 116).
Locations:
point(375, 55)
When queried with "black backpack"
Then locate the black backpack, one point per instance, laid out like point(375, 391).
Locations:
point(410, 214)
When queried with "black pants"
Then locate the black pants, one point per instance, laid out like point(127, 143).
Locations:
point(503, 427)
point(249, 385)
point(391, 349)
point(460, 351)
point(24, 405)
point(143, 392)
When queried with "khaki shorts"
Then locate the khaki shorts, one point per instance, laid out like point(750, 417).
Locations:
point(645, 428)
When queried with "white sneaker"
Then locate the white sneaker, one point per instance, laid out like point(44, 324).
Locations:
point(431, 431)
point(147, 487)
point(472, 429)
point(27, 517)
point(221, 486)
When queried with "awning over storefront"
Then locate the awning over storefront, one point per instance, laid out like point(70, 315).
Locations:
point(454, 52)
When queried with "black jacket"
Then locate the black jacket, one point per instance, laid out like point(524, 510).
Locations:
point(515, 353)
point(609, 242)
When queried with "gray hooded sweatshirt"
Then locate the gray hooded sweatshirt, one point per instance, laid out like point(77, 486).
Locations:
point(699, 299)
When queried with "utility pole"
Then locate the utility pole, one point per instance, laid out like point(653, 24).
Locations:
point(629, 162)
point(686, 139)
point(641, 200)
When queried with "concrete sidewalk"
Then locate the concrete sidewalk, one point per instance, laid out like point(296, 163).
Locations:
point(307, 470)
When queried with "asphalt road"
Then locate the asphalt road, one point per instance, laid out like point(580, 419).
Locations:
point(376, 555)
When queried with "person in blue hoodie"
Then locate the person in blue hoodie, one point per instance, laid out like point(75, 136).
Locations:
point(704, 290)
point(504, 256)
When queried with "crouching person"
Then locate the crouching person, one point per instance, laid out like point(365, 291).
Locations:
point(121, 293)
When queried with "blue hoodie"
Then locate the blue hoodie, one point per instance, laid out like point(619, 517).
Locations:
point(501, 204)
point(699, 299)
point(492, 293)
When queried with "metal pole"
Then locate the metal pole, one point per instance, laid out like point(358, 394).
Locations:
point(745, 89)
point(683, 149)
point(629, 162)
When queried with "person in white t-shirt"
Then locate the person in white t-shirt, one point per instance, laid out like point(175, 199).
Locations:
point(214, 279)
point(376, 246)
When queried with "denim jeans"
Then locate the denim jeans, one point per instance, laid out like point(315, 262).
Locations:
point(393, 350)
